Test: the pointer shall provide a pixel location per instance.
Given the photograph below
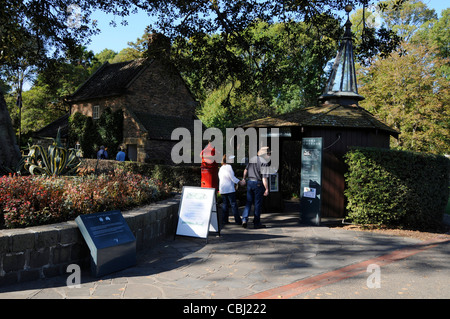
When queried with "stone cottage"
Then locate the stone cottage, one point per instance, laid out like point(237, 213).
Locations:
point(153, 96)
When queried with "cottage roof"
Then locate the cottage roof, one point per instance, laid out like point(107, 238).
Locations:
point(110, 79)
point(51, 130)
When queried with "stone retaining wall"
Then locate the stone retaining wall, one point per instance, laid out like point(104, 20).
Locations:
point(45, 251)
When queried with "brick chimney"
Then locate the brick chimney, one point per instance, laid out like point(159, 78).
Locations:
point(158, 46)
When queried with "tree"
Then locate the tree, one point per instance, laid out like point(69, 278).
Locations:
point(282, 70)
point(126, 54)
point(409, 93)
point(89, 139)
point(436, 33)
point(406, 21)
point(9, 152)
point(44, 101)
point(42, 31)
point(33, 31)
point(106, 55)
point(110, 129)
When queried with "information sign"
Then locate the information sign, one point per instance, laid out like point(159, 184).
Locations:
point(110, 241)
point(311, 180)
point(197, 214)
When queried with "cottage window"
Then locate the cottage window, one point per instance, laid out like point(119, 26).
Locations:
point(96, 112)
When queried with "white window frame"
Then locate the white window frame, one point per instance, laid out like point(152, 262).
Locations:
point(96, 112)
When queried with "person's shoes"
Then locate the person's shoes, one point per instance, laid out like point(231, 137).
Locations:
point(244, 224)
point(259, 226)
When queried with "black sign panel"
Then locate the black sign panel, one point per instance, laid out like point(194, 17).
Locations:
point(311, 180)
point(110, 240)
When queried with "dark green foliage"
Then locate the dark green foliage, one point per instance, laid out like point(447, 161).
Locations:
point(110, 129)
point(396, 188)
point(107, 131)
point(174, 177)
point(89, 138)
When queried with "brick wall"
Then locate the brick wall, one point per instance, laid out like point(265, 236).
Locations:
point(159, 152)
point(161, 90)
point(85, 107)
point(46, 251)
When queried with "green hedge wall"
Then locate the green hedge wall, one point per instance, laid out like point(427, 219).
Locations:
point(396, 188)
point(174, 176)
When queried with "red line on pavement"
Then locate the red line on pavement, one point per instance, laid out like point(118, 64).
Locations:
point(308, 284)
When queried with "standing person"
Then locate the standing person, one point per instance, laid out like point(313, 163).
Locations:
point(120, 155)
point(102, 154)
point(227, 189)
point(257, 186)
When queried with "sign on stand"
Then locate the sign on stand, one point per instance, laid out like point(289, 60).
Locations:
point(197, 214)
point(110, 240)
point(311, 181)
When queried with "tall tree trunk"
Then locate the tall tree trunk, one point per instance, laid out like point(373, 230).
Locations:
point(9, 151)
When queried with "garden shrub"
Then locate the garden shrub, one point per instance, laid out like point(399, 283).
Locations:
point(173, 176)
point(396, 188)
point(37, 200)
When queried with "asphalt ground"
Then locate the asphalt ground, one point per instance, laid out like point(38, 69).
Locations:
point(285, 260)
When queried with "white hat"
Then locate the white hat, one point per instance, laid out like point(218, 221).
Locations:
point(265, 150)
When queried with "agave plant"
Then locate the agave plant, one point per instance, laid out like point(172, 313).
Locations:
point(54, 161)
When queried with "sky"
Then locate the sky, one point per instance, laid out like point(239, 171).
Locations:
point(117, 38)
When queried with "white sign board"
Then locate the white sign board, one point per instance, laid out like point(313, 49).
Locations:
point(197, 214)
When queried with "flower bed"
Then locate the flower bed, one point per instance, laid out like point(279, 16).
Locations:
point(36, 200)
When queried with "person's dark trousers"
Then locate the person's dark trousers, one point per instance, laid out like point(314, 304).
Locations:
point(230, 200)
point(255, 195)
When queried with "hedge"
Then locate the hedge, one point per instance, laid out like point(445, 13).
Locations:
point(396, 188)
point(173, 176)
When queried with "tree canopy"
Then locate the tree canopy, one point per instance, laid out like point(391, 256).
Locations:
point(410, 88)
point(241, 59)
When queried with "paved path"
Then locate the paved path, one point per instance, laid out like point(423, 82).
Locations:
point(284, 260)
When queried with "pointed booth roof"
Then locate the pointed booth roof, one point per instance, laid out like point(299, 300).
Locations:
point(342, 86)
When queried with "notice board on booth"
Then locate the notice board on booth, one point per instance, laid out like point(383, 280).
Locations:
point(311, 180)
point(197, 214)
